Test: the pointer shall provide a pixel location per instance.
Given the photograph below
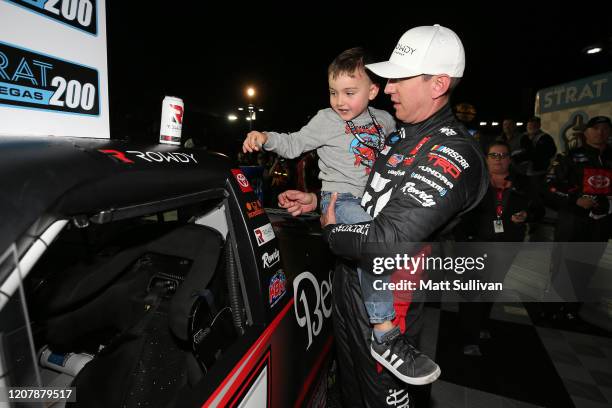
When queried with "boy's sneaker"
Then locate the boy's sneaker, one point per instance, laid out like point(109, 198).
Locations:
point(407, 363)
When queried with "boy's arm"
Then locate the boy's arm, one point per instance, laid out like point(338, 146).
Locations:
point(312, 136)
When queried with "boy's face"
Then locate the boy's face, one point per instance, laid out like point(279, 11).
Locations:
point(349, 94)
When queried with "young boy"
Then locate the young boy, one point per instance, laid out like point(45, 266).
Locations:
point(348, 137)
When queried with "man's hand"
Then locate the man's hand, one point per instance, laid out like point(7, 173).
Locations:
point(586, 202)
point(254, 141)
point(330, 215)
point(297, 202)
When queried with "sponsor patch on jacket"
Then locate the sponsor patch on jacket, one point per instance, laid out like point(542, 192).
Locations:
point(277, 287)
point(437, 175)
point(421, 197)
point(393, 138)
point(408, 160)
point(596, 181)
point(451, 153)
point(264, 234)
point(448, 131)
point(385, 151)
point(443, 163)
point(441, 190)
point(355, 228)
point(394, 160)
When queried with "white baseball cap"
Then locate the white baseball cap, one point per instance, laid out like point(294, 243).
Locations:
point(431, 50)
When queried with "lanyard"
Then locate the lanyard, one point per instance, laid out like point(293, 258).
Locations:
point(378, 144)
point(499, 208)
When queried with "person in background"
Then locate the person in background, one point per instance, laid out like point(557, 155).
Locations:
point(579, 187)
point(518, 151)
point(501, 216)
point(540, 149)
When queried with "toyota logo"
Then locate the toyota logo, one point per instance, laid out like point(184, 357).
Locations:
point(599, 181)
point(242, 180)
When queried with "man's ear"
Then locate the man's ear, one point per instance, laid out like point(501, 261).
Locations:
point(440, 85)
point(374, 88)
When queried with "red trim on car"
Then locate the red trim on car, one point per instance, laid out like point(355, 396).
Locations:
point(313, 372)
point(253, 351)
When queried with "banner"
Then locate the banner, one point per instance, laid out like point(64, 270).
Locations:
point(53, 68)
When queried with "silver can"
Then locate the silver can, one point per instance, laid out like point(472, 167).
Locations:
point(171, 120)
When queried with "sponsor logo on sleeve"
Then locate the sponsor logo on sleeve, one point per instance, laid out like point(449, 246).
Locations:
point(437, 175)
point(448, 131)
point(277, 287)
point(254, 208)
point(441, 190)
point(446, 166)
point(362, 229)
point(396, 172)
point(264, 234)
point(450, 153)
point(394, 160)
point(272, 259)
point(408, 160)
point(424, 199)
point(243, 182)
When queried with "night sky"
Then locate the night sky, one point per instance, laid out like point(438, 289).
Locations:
point(208, 55)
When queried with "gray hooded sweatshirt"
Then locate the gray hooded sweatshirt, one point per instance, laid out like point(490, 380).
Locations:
point(344, 160)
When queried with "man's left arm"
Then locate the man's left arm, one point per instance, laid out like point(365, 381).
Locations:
point(441, 184)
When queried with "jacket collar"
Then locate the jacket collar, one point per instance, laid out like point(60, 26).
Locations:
point(428, 126)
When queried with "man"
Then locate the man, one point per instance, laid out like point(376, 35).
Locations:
point(428, 173)
point(540, 148)
point(579, 187)
point(518, 149)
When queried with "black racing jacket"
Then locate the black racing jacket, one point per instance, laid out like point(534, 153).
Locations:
point(583, 171)
point(426, 176)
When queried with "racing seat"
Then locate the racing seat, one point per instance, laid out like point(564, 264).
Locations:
point(143, 316)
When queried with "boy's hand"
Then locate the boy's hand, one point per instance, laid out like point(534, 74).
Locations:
point(254, 141)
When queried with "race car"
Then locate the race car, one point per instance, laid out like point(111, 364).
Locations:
point(151, 275)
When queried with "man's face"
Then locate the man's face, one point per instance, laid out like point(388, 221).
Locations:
point(349, 94)
point(411, 98)
point(508, 126)
point(532, 127)
point(597, 135)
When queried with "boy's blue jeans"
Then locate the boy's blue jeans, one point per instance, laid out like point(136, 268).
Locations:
point(378, 303)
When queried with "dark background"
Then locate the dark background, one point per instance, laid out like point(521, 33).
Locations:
point(208, 53)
